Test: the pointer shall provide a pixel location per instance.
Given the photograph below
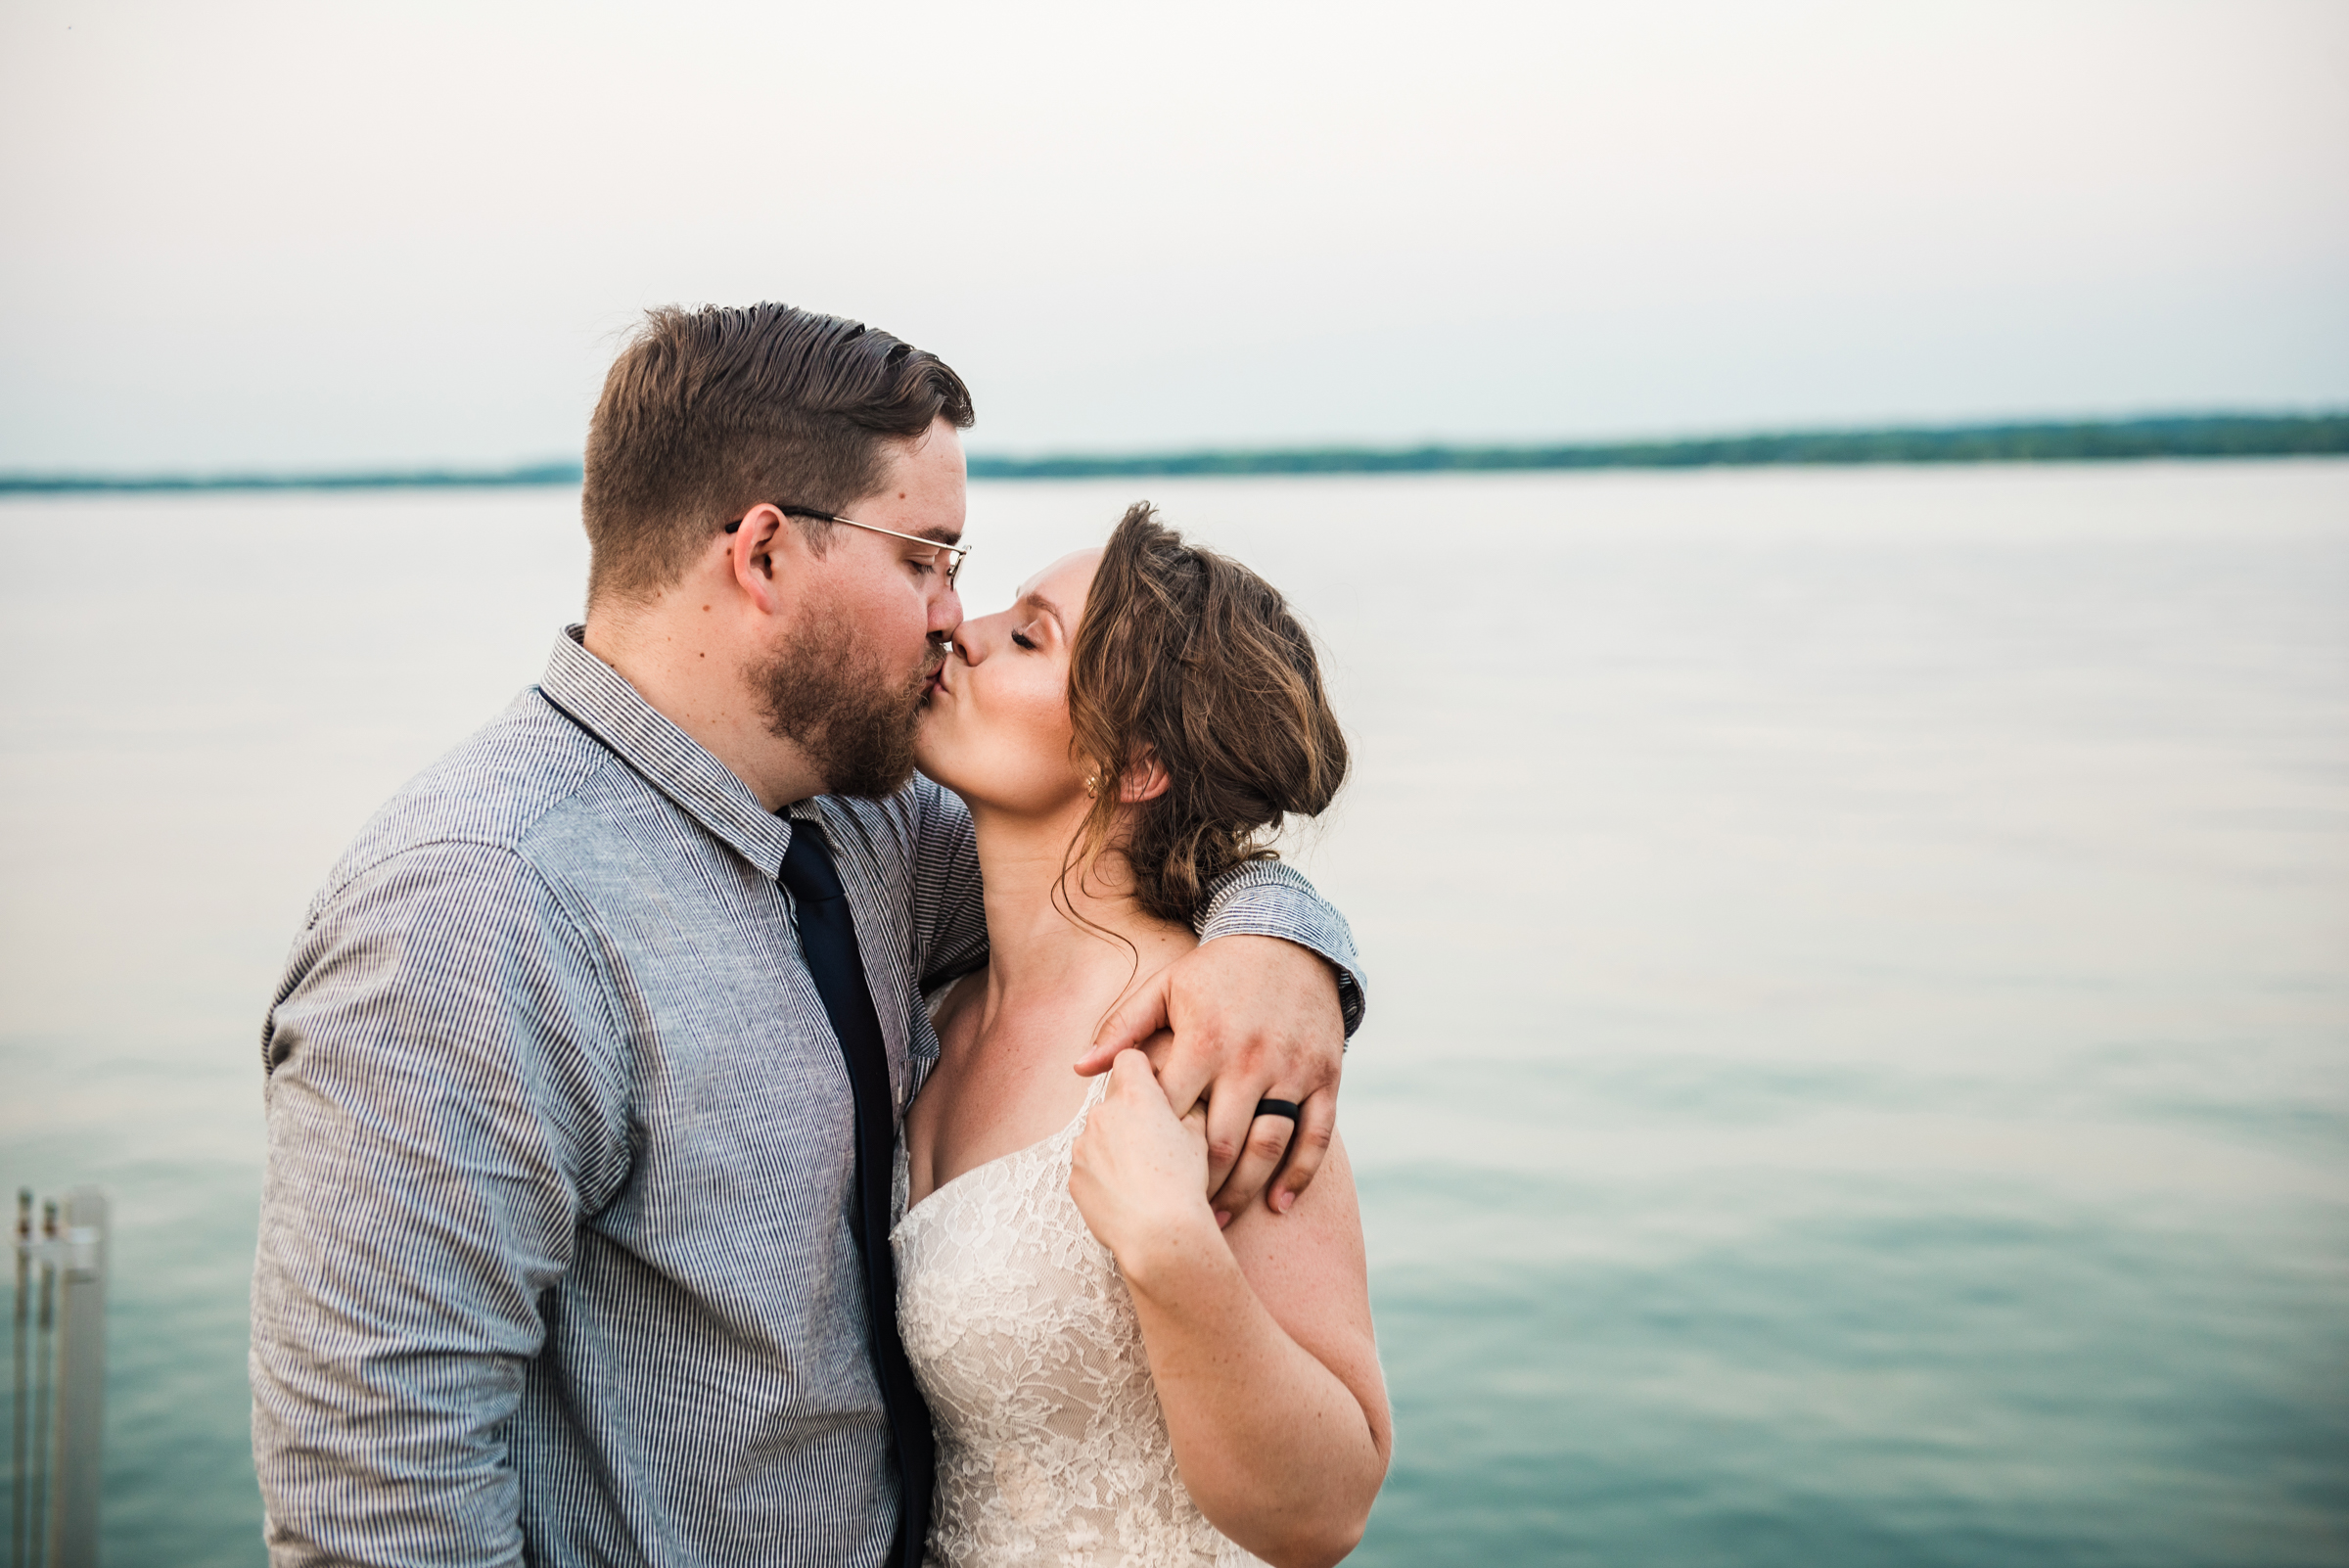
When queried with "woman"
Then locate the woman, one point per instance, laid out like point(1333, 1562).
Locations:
point(1113, 1379)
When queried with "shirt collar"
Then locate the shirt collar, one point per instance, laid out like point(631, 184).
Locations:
point(603, 703)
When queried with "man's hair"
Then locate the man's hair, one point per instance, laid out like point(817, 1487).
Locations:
point(707, 413)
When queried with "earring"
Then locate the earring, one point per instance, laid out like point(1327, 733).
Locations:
point(1092, 786)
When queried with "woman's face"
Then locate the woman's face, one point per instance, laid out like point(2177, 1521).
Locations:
point(994, 728)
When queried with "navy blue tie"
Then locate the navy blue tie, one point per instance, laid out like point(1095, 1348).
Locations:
point(828, 941)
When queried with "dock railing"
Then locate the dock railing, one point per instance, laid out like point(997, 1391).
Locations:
point(59, 1381)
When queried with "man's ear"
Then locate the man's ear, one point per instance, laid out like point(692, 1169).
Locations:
point(1146, 779)
point(751, 551)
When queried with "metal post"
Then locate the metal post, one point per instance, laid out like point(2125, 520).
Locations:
point(60, 1383)
point(18, 1448)
point(36, 1535)
point(80, 1381)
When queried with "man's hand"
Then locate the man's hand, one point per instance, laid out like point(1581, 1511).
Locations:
point(1251, 1018)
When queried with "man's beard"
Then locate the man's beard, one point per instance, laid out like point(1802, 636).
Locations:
point(828, 692)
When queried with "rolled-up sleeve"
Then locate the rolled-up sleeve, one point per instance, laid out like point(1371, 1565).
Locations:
point(1270, 898)
point(446, 1099)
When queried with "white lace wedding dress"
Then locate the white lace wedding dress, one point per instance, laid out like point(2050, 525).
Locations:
point(1051, 1449)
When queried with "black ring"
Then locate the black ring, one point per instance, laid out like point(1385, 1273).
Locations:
point(1288, 1108)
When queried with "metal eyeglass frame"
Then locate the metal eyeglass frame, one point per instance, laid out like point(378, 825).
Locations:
point(954, 552)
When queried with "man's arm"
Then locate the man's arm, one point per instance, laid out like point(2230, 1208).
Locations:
point(1261, 1010)
point(1260, 898)
point(445, 1099)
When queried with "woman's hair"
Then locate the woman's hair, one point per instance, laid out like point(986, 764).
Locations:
point(1186, 657)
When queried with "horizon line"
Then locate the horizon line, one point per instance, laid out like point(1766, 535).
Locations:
point(2210, 435)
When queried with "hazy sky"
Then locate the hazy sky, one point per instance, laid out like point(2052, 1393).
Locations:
point(311, 235)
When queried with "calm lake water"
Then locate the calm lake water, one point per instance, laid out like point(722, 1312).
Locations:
point(1860, 969)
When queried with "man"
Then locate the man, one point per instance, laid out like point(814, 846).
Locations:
point(585, 1069)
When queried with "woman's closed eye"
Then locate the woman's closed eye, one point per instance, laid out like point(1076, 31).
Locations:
point(1024, 640)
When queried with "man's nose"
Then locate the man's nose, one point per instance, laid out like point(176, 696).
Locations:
point(946, 613)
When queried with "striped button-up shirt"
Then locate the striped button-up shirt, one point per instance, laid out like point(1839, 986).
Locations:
point(555, 1256)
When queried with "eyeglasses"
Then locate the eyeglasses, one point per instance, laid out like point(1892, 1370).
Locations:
point(953, 553)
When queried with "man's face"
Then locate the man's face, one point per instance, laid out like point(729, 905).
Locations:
point(848, 676)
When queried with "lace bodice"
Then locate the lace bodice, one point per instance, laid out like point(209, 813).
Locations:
point(1051, 1449)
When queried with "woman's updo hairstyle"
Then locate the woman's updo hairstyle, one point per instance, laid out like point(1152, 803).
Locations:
point(1187, 656)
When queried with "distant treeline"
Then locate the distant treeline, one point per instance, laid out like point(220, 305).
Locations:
point(2208, 436)
point(420, 478)
point(2215, 436)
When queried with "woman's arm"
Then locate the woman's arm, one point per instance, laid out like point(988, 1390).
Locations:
point(1259, 1336)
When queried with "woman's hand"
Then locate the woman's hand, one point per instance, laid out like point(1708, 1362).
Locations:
point(1140, 1174)
point(1251, 1018)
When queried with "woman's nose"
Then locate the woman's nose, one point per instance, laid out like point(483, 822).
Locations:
point(970, 642)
